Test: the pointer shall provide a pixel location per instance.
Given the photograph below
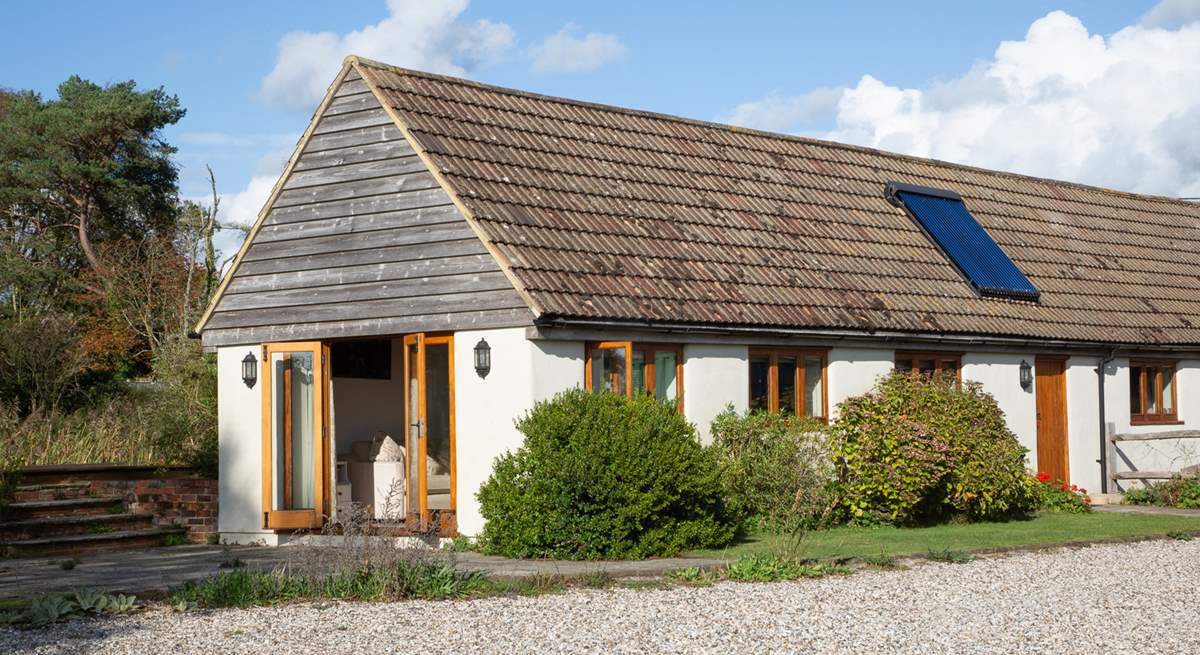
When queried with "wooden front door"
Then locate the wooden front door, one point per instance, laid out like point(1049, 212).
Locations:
point(430, 467)
point(295, 455)
point(1052, 417)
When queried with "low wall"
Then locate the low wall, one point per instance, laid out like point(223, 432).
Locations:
point(175, 496)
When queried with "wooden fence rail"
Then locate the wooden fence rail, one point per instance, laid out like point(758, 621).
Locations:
point(1115, 437)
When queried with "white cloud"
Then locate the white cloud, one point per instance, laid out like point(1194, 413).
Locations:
point(423, 34)
point(1172, 13)
point(778, 113)
point(564, 52)
point(1061, 103)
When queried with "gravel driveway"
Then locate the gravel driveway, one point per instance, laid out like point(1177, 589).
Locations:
point(1133, 597)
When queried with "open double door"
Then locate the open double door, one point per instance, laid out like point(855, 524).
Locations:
point(296, 433)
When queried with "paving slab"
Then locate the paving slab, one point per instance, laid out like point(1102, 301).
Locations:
point(157, 570)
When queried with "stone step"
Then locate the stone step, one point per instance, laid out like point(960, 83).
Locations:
point(64, 526)
point(30, 493)
point(68, 507)
point(91, 543)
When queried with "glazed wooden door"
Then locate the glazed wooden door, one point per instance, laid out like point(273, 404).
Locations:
point(429, 441)
point(1051, 393)
point(295, 377)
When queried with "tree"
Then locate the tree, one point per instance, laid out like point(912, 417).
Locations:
point(88, 167)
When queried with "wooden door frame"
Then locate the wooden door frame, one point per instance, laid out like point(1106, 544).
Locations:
point(1066, 426)
point(422, 340)
point(307, 518)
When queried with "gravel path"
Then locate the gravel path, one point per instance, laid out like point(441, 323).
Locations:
point(1139, 597)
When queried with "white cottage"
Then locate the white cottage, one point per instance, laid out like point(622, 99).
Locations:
point(439, 255)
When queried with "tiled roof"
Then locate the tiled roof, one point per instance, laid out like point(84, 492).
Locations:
point(609, 213)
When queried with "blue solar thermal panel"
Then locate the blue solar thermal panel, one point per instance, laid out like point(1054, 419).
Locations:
point(946, 220)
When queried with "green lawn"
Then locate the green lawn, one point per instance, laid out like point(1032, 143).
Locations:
point(1043, 529)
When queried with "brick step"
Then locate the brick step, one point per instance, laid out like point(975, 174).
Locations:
point(30, 493)
point(70, 507)
point(65, 526)
point(91, 543)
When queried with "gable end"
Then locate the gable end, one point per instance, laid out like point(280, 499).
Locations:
point(358, 239)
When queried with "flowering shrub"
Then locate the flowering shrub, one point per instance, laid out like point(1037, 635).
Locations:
point(918, 450)
point(1058, 496)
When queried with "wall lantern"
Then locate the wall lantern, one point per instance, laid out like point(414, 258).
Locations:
point(249, 369)
point(1026, 375)
point(483, 358)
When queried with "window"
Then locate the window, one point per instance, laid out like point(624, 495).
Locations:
point(1152, 392)
point(929, 364)
point(625, 368)
point(788, 380)
point(944, 217)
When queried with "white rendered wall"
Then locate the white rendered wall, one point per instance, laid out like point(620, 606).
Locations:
point(854, 371)
point(557, 366)
point(239, 420)
point(714, 376)
point(1083, 422)
point(1000, 376)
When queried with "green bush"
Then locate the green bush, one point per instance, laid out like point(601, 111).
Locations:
point(916, 450)
point(775, 467)
point(603, 477)
point(1177, 492)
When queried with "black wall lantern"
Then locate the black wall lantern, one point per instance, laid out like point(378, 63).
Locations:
point(1026, 375)
point(483, 358)
point(249, 370)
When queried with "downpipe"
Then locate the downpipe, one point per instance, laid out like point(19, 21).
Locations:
point(1104, 362)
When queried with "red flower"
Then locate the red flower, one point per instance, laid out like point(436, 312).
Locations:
point(1065, 487)
point(1074, 487)
point(1043, 477)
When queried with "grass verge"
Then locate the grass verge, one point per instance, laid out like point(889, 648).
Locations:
point(1042, 530)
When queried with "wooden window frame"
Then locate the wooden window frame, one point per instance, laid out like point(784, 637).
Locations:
point(939, 359)
point(799, 354)
point(1160, 418)
point(647, 348)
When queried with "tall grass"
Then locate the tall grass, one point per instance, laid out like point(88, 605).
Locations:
point(112, 432)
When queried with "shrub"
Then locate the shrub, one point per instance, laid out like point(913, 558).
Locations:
point(775, 467)
point(918, 450)
point(766, 568)
point(1182, 492)
point(603, 477)
point(401, 579)
point(1057, 496)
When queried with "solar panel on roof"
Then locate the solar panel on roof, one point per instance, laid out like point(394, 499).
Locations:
point(946, 220)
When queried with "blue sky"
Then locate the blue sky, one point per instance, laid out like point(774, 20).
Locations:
point(796, 67)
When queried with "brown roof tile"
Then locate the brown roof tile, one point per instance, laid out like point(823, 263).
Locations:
point(604, 212)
